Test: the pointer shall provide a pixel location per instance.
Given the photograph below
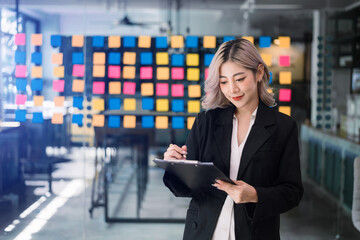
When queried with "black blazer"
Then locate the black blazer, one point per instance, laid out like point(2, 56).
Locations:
point(270, 163)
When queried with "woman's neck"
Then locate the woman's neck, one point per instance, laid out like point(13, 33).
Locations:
point(247, 110)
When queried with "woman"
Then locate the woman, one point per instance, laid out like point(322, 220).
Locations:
point(253, 144)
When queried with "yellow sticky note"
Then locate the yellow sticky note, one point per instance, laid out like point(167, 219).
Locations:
point(177, 41)
point(193, 106)
point(270, 90)
point(251, 39)
point(129, 104)
point(162, 73)
point(267, 59)
point(98, 104)
point(162, 58)
point(129, 72)
point(59, 101)
point(57, 118)
point(129, 121)
point(38, 101)
point(57, 58)
point(129, 58)
point(190, 122)
point(194, 91)
point(162, 122)
point(99, 71)
point(147, 89)
point(36, 39)
point(193, 74)
point(36, 72)
point(98, 120)
point(59, 71)
point(284, 42)
point(114, 41)
point(285, 109)
point(192, 59)
point(77, 41)
point(285, 77)
point(209, 42)
point(99, 58)
point(78, 85)
point(162, 105)
point(144, 42)
point(114, 87)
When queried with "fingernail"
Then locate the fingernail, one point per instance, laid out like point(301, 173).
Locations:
point(183, 152)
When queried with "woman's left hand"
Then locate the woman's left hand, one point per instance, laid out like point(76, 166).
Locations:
point(240, 193)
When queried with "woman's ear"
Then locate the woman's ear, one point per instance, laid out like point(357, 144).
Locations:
point(260, 72)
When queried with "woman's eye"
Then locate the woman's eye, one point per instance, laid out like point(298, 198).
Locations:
point(240, 79)
point(223, 82)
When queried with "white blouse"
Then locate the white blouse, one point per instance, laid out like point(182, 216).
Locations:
point(225, 228)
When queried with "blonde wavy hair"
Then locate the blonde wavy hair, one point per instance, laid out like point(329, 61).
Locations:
point(244, 53)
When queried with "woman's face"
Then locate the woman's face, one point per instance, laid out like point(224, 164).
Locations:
point(238, 84)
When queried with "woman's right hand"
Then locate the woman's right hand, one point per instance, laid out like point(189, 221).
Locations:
point(175, 152)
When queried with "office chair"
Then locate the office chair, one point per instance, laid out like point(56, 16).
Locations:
point(356, 195)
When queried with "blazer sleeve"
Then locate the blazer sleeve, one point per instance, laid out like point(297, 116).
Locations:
point(288, 190)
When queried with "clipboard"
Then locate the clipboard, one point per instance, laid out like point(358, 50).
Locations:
point(198, 176)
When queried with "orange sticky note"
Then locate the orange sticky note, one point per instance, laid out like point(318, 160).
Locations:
point(98, 104)
point(36, 72)
point(129, 104)
point(177, 41)
point(99, 58)
point(193, 106)
point(38, 101)
point(99, 71)
point(147, 89)
point(36, 39)
point(129, 58)
point(270, 90)
point(162, 58)
point(59, 101)
point(129, 72)
point(114, 87)
point(162, 122)
point(162, 73)
point(144, 42)
point(194, 91)
point(114, 41)
point(285, 77)
point(78, 85)
point(98, 120)
point(129, 121)
point(284, 41)
point(190, 122)
point(57, 58)
point(57, 118)
point(59, 71)
point(192, 59)
point(267, 59)
point(251, 39)
point(193, 74)
point(285, 109)
point(209, 42)
point(162, 105)
point(77, 41)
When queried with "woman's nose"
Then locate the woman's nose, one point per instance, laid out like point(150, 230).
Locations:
point(234, 88)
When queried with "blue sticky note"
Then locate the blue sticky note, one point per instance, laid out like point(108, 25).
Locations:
point(207, 59)
point(38, 117)
point(161, 42)
point(98, 41)
point(271, 78)
point(36, 58)
point(55, 40)
point(228, 38)
point(21, 84)
point(77, 58)
point(114, 122)
point(114, 103)
point(78, 102)
point(147, 103)
point(146, 58)
point(192, 42)
point(20, 115)
point(177, 60)
point(37, 84)
point(178, 122)
point(177, 105)
point(148, 121)
point(114, 58)
point(129, 41)
point(20, 57)
point(77, 119)
point(264, 41)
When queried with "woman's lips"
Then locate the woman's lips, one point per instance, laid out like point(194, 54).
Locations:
point(237, 98)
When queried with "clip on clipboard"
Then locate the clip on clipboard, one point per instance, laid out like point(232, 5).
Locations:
point(196, 175)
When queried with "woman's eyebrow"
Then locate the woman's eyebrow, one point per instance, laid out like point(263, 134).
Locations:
point(239, 73)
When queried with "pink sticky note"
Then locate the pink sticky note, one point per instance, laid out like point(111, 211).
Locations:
point(206, 73)
point(114, 72)
point(20, 39)
point(78, 70)
point(284, 61)
point(20, 71)
point(129, 88)
point(98, 87)
point(162, 89)
point(146, 73)
point(285, 95)
point(177, 90)
point(20, 99)
point(58, 85)
point(177, 73)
